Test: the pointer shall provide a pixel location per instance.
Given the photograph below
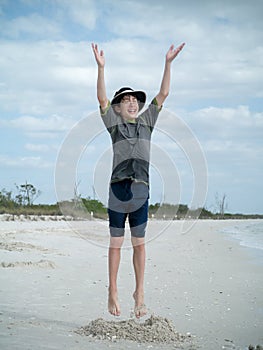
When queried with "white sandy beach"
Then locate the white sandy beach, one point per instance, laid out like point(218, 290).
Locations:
point(54, 281)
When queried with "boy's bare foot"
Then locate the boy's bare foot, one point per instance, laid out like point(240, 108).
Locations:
point(140, 309)
point(113, 304)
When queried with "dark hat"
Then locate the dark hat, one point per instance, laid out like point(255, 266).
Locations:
point(140, 95)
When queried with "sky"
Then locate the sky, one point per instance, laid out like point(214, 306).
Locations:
point(208, 140)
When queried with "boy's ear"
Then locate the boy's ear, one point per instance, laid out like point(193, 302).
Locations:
point(117, 109)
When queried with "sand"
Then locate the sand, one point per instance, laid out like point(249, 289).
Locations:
point(155, 329)
point(202, 289)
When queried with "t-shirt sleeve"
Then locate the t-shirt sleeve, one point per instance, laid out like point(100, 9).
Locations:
point(109, 117)
point(150, 115)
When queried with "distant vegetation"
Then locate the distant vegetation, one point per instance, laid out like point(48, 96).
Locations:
point(22, 203)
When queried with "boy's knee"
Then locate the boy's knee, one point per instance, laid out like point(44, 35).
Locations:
point(116, 242)
point(138, 243)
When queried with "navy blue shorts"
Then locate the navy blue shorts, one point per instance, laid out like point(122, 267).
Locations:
point(128, 198)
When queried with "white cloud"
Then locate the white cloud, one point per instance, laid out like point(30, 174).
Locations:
point(221, 59)
point(58, 15)
point(190, 20)
point(37, 147)
point(33, 25)
point(231, 122)
point(53, 127)
point(24, 162)
point(51, 124)
point(73, 76)
point(241, 152)
point(82, 12)
point(43, 77)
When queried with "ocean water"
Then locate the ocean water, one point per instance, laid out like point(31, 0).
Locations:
point(248, 232)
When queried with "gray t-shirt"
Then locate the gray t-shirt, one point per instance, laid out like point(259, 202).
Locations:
point(131, 143)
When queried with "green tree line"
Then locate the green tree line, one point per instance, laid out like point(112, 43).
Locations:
point(22, 202)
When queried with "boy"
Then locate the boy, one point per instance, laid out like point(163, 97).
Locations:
point(129, 187)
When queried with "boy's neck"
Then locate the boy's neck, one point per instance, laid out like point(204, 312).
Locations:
point(130, 120)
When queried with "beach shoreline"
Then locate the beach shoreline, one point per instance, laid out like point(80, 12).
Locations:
point(54, 280)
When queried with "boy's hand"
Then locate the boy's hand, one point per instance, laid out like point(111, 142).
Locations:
point(99, 55)
point(172, 52)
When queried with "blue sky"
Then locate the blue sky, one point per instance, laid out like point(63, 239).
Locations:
point(48, 84)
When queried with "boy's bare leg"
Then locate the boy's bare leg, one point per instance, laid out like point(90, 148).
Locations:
point(139, 268)
point(114, 263)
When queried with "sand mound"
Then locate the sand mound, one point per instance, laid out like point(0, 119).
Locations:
point(153, 330)
point(40, 263)
point(20, 246)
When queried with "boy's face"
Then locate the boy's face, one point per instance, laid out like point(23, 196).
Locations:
point(128, 107)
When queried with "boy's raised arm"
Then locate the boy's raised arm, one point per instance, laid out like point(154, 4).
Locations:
point(165, 84)
point(101, 88)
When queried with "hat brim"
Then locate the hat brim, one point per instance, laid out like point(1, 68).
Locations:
point(140, 95)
